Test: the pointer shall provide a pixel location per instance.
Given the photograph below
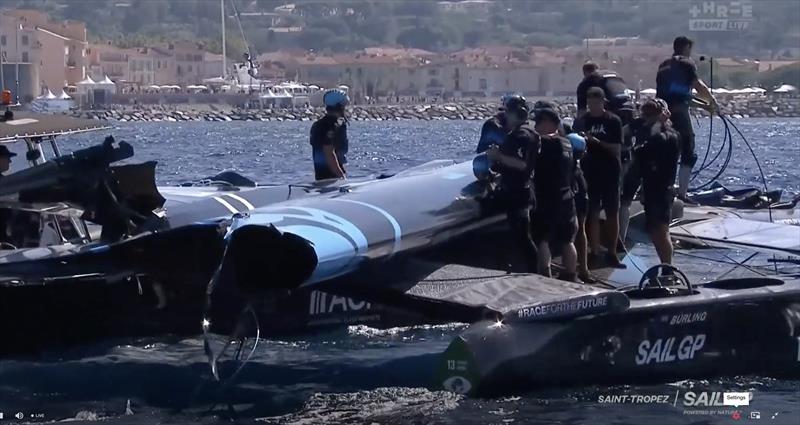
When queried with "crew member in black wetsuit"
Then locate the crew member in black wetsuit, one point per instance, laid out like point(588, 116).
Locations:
point(554, 219)
point(514, 159)
point(493, 131)
point(329, 142)
point(655, 159)
point(591, 78)
point(676, 78)
point(601, 168)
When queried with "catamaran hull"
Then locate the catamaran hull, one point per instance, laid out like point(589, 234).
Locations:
point(715, 332)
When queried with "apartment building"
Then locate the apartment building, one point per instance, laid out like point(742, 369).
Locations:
point(63, 47)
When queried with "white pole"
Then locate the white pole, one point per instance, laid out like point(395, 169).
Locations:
point(16, 68)
point(224, 50)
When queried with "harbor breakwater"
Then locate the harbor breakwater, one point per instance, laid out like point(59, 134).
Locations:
point(760, 107)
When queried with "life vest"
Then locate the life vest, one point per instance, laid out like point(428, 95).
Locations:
point(671, 81)
point(555, 169)
point(492, 133)
point(615, 90)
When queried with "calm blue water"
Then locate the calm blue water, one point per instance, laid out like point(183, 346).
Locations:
point(354, 375)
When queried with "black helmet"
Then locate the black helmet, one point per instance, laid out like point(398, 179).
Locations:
point(516, 103)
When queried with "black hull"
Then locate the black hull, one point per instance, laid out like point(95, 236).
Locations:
point(41, 318)
point(716, 332)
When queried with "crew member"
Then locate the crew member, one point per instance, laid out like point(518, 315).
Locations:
point(578, 143)
point(329, 137)
point(601, 167)
point(676, 78)
point(655, 162)
point(5, 159)
point(591, 78)
point(493, 131)
point(555, 221)
point(514, 159)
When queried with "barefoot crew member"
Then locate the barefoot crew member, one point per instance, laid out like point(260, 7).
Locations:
point(555, 221)
point(676, 78)
point(655, 159)
point(601, 168)
point(514, 159)
point(329, 142)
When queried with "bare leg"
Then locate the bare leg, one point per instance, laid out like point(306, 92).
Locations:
point(659, 234)
point(544, 257)
point(581, 248)
point(569, 257)
point(624, 220)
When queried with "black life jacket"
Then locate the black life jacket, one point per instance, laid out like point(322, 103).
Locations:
point(671, 82)
point(614, 88)
point(554, 176)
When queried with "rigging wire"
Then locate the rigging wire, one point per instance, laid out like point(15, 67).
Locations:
point(710, 118)
point(241, 30)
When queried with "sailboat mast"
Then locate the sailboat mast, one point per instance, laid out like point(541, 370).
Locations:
point(224, 49)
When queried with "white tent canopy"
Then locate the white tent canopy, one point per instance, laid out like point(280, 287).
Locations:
point(49, 95)
point(721, 90)
point(757, 89)
point(87, 81)
point(215, 80)
point(64, 96)
point(648, 91)
point(786, 88)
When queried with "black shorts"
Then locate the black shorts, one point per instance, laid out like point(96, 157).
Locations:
point(581, 203)
point(603, 194)
point(555, 223)
point(682, 123)
point(657, 206)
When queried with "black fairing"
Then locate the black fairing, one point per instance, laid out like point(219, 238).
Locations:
point(261, 258)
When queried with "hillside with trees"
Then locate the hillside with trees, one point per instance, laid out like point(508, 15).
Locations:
point(344, 25)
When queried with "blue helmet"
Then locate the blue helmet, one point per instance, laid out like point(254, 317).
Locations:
point(482, 167)
point(578, 143)
point(335, 97)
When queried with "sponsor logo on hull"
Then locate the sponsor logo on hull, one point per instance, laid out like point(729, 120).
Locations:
point(687, 318)
point(329, 309)
point(590, 304)
point(666, 350)
point(324, 303)
point(457, 384)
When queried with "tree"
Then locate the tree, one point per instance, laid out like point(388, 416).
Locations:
point(473, 38)
point(419, 38)
point(315, 38)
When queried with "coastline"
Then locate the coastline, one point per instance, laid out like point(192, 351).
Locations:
point(762, 107)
